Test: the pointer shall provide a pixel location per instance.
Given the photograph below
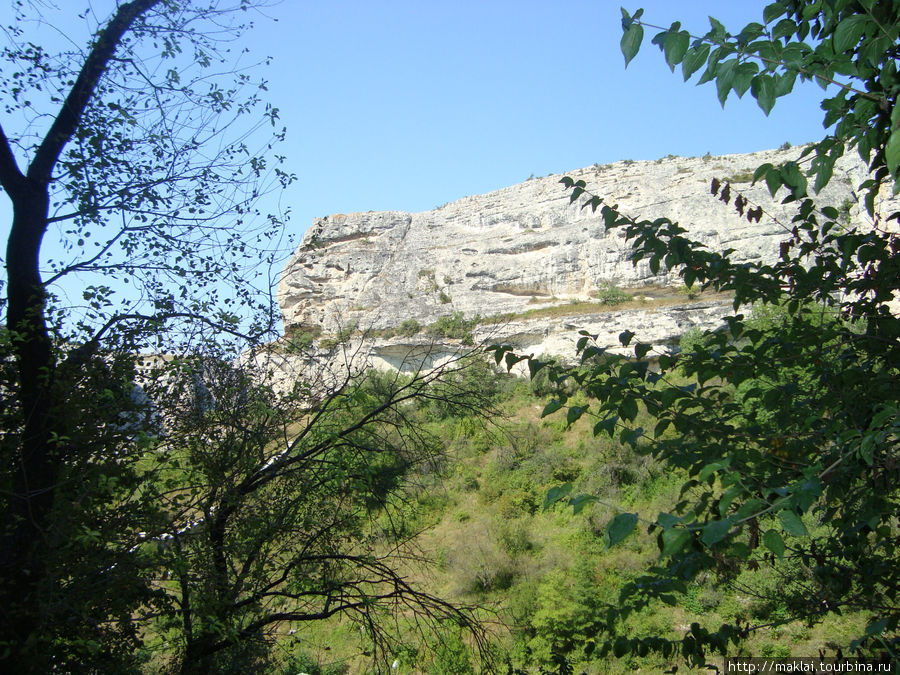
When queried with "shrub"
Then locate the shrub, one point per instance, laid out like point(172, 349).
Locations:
point(691, 292)
point(300, 337)
point(455, 327)
point(409, 328)
point(745, 176)
point(611, 295)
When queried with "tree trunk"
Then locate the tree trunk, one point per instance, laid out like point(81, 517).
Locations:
point(37, 454)
point(37, 457)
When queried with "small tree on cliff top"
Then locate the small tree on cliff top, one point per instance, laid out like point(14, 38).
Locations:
point(789, 431)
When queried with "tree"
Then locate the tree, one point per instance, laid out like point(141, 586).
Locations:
point(786, 427)
point(173, 509)
point(145, 168)
point(285, 508)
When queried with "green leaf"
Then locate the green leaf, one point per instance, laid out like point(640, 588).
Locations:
point(631, 41)
point(667, 520)
point(728, 498)
point(743, 76)
point(784, 83)
point(661, 427)
point(794, 179)
point(773, 11)
point(608, 425)
point(877, 627)
point(574, 414)
point(892, 152)
point(750, 32)
point(749, 508)
point(499, 351)
point(578, 503)
point(773, 541)
point(675, 46)
point(641, 349)
point(824, 171)
point(631, 436)
point(551, 407)
point(619, 528)
point(535, 366)
point(867, 449)
point(761, 171)
point(712, 467)
point(784, 28)
point(674, 540)
point(724, 79)
point(792, 524)
point(718, 31)
point(762, 87)
point(773, 181)
point(512, 359)
point(554, 494)
point(628, 409)
point(848, 32)
point(625, 337)
point(694, 60)
point(715, 531)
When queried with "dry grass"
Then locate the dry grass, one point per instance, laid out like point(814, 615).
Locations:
point(647, 298)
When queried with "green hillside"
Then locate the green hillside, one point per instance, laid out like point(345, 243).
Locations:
point(545, 577)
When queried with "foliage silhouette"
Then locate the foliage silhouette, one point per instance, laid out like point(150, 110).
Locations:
point(788, 428)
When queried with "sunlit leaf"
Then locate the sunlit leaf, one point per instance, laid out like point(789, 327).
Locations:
point(631, 42)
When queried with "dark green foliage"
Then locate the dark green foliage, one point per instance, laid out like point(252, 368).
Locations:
point(567, 616)
point(278, 509)
point(408, 328)
point(300, 338)
point(842, 44)
point(787, 424)
point(145, 176)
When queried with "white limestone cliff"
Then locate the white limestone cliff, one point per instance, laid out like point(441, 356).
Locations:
point(527, 247)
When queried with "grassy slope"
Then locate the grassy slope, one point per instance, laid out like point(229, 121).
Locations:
point(545, 573)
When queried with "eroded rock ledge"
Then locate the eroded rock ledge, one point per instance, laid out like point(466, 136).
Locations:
point(526, 246)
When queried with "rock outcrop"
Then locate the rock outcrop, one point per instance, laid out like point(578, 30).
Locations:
point(526, 247)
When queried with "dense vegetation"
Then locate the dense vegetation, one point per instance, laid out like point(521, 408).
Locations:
point(787, 432)
point(545, 576)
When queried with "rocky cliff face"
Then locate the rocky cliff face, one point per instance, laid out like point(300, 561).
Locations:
point(526, 247)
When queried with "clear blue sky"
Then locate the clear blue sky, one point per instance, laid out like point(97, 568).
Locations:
point(407, 105)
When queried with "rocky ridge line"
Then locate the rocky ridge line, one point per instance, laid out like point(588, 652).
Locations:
point(526, 247)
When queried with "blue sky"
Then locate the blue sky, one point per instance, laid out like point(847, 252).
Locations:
point(408, 105)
